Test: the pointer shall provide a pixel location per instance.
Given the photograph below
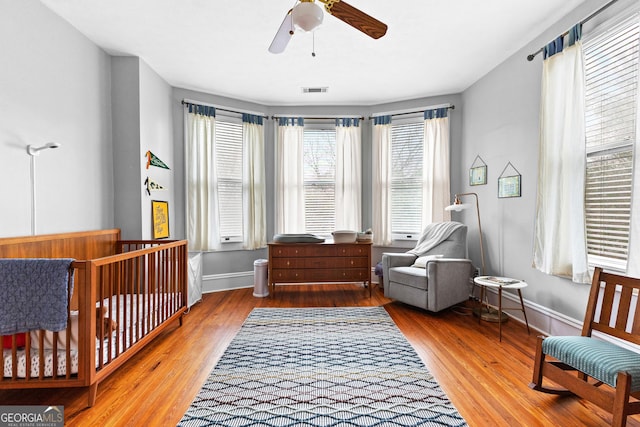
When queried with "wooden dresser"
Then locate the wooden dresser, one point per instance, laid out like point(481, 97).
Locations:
point(319, 262)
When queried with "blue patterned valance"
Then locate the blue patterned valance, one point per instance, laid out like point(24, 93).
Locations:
point(557, 45)
point(290, 121)
point(382, 120)
point(437, 113)
point(204, 110)
point(348, 122)
point(252, 118)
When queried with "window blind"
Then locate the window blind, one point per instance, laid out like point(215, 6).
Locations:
point(407, 141)
point(228, 145)
point(319, 180)
point(611, 78)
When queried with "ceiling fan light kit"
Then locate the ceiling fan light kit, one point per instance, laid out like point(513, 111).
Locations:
point(307, 16)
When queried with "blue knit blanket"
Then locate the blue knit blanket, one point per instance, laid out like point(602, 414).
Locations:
point(34, 294)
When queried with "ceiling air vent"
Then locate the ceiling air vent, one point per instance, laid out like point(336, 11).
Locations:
point(314, 89)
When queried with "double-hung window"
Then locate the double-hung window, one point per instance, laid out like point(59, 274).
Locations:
point(225, 206)
point(228, 177)
point(611, 77)
point(407, 145)
point(410, 174)
point(318, 175)
point(319, 178)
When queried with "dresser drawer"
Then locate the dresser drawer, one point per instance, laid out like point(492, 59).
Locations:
point(288, 263)
point(356, 275)
point(287, 275)
point(286, 251)
point(361, 262)
point(353, 250)
point(321, 251)
point(325, 262)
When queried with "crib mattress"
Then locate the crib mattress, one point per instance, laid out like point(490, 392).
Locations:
point(133, 324)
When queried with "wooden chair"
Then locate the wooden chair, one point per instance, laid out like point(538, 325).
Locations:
point(602, 371)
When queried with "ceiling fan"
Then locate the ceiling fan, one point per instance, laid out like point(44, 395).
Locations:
point(307, 15)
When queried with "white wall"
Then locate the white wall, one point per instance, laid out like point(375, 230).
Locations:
point(54, 86)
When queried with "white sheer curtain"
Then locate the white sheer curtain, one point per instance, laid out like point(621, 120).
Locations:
point(436, 190)
point(348, 185)
point(381, 180)
point(253, 177)
point(201, 199)
point(560, 238)
point(290, 217)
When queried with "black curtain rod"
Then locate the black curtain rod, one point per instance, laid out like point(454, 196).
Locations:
point(451, 107)
point(533, 55)
point(223, 109)
point(316, 118)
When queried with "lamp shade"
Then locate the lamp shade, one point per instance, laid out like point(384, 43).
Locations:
point(307, 15)
point(457, 207)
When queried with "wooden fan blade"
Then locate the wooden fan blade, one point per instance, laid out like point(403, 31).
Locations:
point(357, 18)
point(282, 37)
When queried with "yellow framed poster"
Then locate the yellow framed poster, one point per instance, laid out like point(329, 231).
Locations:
point(160, 219)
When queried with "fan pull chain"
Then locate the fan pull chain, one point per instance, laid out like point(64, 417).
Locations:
point(313, 50)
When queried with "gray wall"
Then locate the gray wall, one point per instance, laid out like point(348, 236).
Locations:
point(156, 135)
point(142, 121)
point(500, 116)
point(54, 87)
point(125, 96)
point(242, 261)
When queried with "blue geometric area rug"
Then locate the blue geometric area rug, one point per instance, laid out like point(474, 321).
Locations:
point(320, 367)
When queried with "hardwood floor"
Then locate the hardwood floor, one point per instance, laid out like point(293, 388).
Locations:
point(487, 380)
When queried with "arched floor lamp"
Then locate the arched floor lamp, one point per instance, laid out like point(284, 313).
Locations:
point(459, 206)
point(488, 315)
point(33, 152)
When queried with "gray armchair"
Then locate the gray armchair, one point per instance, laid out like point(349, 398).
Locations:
point(444, 280)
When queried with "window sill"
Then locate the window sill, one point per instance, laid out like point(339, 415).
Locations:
point(609, 264)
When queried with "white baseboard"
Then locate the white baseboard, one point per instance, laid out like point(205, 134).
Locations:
point(541, 319)
point(226, 281)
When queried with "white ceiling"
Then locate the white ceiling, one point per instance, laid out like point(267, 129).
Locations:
point(432, 47)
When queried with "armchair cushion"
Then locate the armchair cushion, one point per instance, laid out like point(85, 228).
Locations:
point(410, 276)
point(421, 262)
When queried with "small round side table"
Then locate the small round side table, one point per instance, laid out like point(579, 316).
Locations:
point(501, 283)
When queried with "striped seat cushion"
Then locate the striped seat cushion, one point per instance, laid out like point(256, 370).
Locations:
point(599, 359)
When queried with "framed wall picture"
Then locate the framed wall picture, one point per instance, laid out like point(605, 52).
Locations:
point(478, 172)
point(160, 219)
point(509, 182)
point(509, 186)
point(478, 175)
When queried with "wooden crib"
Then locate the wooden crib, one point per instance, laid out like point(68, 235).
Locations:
point(125, 293)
